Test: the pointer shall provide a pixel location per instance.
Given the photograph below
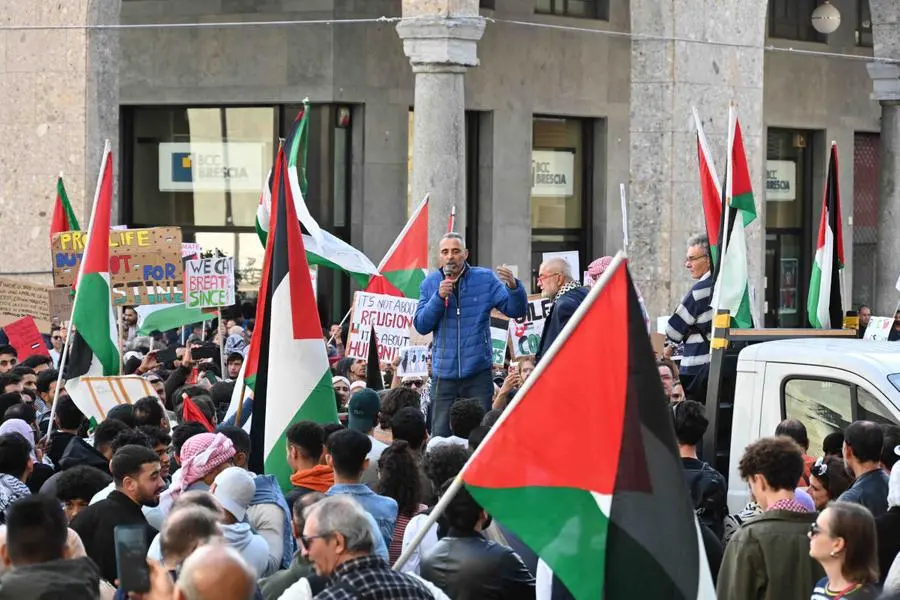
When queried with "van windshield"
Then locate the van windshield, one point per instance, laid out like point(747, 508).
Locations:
point(894, 378)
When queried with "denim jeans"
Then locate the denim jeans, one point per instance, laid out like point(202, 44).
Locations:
point(445, 391)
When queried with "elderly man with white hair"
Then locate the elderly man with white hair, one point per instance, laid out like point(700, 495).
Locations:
point(557, 283)
point(337, 540)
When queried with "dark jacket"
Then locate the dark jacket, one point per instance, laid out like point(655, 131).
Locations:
point(462, 332)
point(768, 559)
point(59, 441)
point(468, 567)
point(560, 313)
point(888, 528)
point(79, 452)
point(39, 476)
point(96, 525)
point(275, 585)
point(72, 579)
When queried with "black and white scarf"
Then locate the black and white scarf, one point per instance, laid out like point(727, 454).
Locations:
point(567, 287)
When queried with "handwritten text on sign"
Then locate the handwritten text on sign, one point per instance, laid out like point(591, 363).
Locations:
point(209, 282)
point(144, 264)
point(392, 319)
point(526, 333)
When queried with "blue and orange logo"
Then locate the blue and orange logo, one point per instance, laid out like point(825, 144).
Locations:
point(182, 164)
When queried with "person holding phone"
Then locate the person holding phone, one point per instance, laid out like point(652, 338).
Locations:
point(455, 304)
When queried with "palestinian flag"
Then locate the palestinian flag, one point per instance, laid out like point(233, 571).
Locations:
point(63, 215)
point(732, 283)
point(607, 508)
point(287, 354)
point(404, 266)
point(451, 222)
point(94, 348)
point(825, 304)
point(709, 190)
point(374, 378)
point(164, 317)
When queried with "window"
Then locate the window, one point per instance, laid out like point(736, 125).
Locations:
point(868, 408)
point(863, 24)
point(792, 20)
point(588, 9)
point(823, 406)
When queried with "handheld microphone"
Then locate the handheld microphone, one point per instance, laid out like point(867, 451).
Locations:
point(449, 271)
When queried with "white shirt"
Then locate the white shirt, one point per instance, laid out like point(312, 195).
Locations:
point(453, 439)
point(409, 534)
point(376, 451)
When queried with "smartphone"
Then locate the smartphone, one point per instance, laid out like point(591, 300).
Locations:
point(206, 351)
point(513, 367)
point(131, 558)
point(166, 356)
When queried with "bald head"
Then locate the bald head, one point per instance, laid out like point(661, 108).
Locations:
point(186, 528)
point(215, 572)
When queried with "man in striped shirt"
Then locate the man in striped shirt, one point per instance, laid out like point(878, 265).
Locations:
point(692, 321)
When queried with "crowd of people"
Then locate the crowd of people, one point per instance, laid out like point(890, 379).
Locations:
point(820, 523)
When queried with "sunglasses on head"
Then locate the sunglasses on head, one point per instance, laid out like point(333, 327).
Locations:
point(819, 468)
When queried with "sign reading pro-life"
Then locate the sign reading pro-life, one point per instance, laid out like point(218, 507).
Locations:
point(209, 282)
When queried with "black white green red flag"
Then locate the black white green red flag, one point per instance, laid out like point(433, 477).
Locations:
point(63, 216)
point(710, 192)
point(605, 505)
point(403, 267)
point(93, 350)
point(287, 364)
point(825, 302)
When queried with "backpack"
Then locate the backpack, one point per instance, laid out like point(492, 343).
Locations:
point(708, 493)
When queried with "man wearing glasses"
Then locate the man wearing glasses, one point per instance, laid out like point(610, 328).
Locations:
point(691, 322)
point(556, 283)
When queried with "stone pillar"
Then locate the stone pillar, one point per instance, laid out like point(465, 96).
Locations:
point(886, 89)
point(886, 86)
point(59, 89)
point(717, 59)
point(440, 39)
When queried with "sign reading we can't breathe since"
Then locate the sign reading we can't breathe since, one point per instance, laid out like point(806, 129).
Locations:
point(209, 282)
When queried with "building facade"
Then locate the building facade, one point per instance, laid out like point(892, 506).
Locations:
point(571, 99)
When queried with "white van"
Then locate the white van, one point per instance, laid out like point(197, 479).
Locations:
point(825, 383)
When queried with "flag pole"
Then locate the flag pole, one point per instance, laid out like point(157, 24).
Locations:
point(573, 323)
point(121, 318)
point(69, 331)
point(623, 199)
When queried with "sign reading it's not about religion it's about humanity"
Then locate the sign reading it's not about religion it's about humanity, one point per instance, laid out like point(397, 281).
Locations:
point(209, 282)
point(144, 264)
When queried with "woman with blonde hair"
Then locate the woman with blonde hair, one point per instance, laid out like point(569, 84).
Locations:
point(843, 541)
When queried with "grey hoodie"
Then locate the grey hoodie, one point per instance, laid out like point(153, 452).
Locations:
point(253, 547)
point(69, 579)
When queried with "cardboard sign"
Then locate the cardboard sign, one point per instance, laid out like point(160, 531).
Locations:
point(499, 337)
point(879, 328)
point(145, 265)
point(25, 338)
point(209, 282)
point(413, 361)
point(96, 396)
point(392, 319)
point(526, 333)
point(44, 303)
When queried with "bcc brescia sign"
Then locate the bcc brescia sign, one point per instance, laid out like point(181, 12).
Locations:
point(552, 173)
point(781, 180)
point(211, 167)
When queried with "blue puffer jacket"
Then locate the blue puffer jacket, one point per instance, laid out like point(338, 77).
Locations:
point(462, 333)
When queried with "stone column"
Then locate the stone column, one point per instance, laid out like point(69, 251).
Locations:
point(59, 89)
point(704, 53)
point(886, 89)
point(440, 39)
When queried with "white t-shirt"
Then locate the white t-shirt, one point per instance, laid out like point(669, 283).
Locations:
point(376, 451)
point(453, 439)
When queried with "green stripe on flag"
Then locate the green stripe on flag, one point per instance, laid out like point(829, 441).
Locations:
point(407, 282)
point(564, 526)
point(815, 284)
point(67, 206)
point(164, 318)
point(319, 407)
point(92, 319)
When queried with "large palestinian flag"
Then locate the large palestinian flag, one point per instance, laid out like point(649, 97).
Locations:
point(287, 365)
point(94, 349)
point(403, 268)
point(825, 303)
point(63, 216)
point(604, 506)
point(163, 317)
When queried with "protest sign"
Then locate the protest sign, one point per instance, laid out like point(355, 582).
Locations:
point(209, 282)
point(525, 333)
point(499, 337)
point(145, 265)
point(879, 328)
point(413, 361)
point(96, 396)
point(392, 319)
point(46, 304)
point(25, 338)
point(571, 258)
point(190, 250)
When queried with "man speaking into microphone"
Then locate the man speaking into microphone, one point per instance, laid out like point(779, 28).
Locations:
point(455, 304)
